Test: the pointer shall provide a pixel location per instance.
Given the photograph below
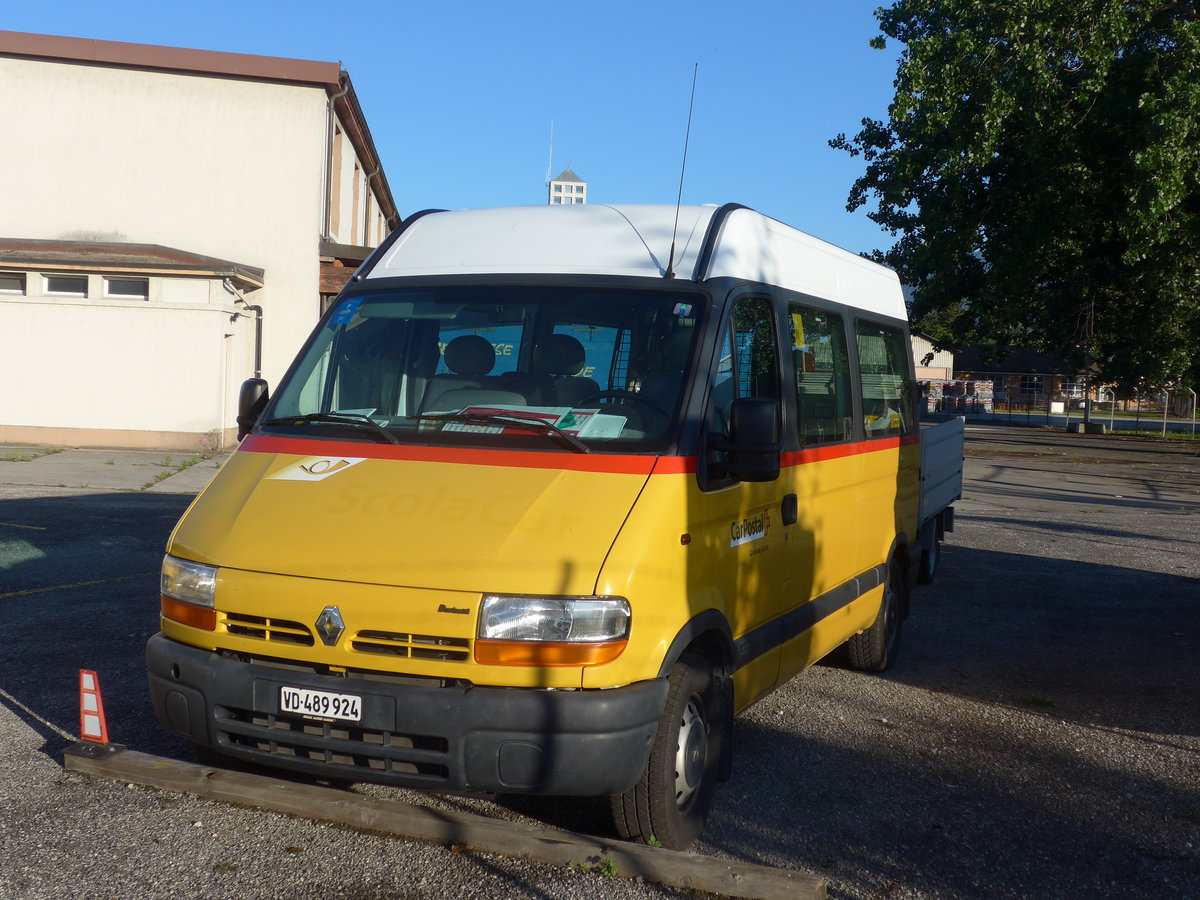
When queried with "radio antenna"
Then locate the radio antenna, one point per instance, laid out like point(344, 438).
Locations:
point(550, 161)
point(670, 273)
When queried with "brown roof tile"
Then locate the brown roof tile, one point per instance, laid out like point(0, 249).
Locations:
point(107, 256)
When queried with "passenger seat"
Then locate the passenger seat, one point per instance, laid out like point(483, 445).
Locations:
point(469, 358)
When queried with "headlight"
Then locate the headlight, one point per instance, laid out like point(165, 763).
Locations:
point(574, 619)
point(551, 631)
point(189, 592)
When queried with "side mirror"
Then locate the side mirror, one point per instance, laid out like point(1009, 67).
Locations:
point(755, 436)
point(252, 400)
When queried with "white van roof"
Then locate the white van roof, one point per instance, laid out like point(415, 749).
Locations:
point(635, 240)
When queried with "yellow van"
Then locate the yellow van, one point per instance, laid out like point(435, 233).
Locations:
point(548, 497)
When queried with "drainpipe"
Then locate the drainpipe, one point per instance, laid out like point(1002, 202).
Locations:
point(367, 207)
point(330, 118)
point(258, 318)
point(258, 330)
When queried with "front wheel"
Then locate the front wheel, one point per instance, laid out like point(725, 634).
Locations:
point(670, 802)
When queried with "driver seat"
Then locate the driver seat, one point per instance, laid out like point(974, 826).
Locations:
point(562, 358)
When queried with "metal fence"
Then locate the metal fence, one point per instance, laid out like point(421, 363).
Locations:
point(1168, 411)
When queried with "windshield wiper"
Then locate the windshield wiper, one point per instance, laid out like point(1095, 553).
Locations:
point(337, 419)
point(535, 425)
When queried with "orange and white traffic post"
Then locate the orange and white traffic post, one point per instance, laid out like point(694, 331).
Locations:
point(92, 726)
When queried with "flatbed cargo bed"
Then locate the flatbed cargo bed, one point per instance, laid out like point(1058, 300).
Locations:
point(941, 466)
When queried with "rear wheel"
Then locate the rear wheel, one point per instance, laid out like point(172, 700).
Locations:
point(670, 803)
point(927, 569)
point(875, 649)
point(931, 551)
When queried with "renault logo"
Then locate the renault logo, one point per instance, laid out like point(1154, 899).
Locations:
point(330, 625)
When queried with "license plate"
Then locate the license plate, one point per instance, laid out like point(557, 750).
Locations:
point(320, 704)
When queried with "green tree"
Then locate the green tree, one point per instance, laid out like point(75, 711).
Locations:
point(1040, 169)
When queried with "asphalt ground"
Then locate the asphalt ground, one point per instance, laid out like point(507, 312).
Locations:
point(1039, 736)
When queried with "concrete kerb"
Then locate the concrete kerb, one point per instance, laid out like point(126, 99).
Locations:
point(457, 830)
point(160, 471)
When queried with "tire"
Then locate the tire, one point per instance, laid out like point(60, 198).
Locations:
point(670, 803)
point(875, 649)
point(927, 568)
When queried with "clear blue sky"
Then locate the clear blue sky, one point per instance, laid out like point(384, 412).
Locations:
point(460, 94)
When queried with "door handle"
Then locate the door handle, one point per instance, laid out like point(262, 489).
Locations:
point(789, 510)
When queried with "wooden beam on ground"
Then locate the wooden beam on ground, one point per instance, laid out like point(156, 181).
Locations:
point(448, 828)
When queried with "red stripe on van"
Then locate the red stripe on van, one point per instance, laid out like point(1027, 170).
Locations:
point(513, 459)
point(841, 451)
point(530, 459)
point(675, 465)
point(686, 465)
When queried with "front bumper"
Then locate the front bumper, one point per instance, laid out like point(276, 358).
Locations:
point(459, 738)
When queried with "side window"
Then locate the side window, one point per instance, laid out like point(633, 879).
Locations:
point(886, 380)
point(747, 365)
point(823, 398)
point(755, 350)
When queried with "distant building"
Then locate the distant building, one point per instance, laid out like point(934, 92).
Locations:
point(931, 364)
point(172, 223)
point(567, 188)
point(1023, 373)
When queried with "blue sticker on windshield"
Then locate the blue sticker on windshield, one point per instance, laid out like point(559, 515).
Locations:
point(683, 309)
point(346, 311)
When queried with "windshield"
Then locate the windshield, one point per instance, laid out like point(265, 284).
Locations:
point(572, 369)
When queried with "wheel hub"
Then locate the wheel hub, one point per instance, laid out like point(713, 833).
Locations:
point(691, 753)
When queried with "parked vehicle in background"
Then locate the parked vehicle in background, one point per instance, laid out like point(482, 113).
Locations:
point(545, 501)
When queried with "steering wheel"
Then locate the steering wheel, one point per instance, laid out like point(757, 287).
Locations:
point(628, 396)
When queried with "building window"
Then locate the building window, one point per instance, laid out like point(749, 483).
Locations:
point(579, 188)
point(12, 282)
point(1073, 387)
point(127, 288)
point(1032, 385)
point(67, 285)
point(558, 188)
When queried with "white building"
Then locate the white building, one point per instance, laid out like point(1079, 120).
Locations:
point(171, 222)
point(567, 188)
point(931, 364)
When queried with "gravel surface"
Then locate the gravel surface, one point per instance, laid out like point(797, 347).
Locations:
point(1039, 737)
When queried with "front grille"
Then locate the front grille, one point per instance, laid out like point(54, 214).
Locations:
point(369, 752)
point(268, 629)
point(412, 646)
point(382, 643)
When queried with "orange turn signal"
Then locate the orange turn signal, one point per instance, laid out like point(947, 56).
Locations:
point(189, 614)
point(544, 653)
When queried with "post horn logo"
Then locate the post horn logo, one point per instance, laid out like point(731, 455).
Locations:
point(315, 468)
